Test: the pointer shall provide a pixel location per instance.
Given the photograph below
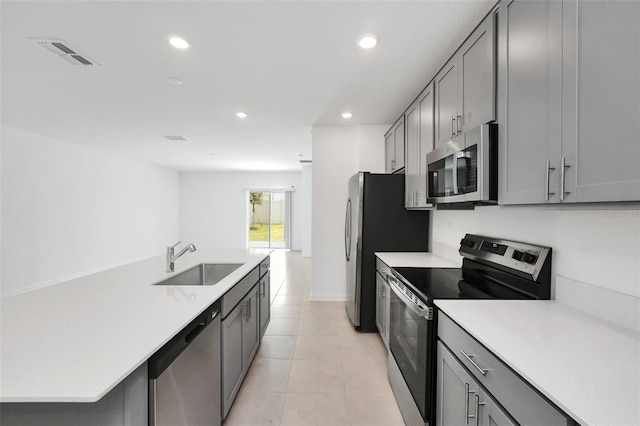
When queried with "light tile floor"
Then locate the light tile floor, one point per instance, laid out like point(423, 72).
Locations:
point(312, 367)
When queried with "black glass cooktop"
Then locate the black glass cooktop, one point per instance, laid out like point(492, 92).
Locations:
point(457, 283)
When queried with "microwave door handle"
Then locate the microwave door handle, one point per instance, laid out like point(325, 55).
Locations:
point(462, 156)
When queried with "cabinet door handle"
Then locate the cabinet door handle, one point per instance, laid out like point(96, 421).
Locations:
point(262, 288)
point(247, 309)
point(466, 403)
point(453, 122)
point(382, 292)
point(547, 173)
point(478, 404)
point(482, 371)
point(458, 124)
point(563, 168)
point(393, 164)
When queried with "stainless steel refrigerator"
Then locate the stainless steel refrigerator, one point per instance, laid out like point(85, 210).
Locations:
point(376, 221)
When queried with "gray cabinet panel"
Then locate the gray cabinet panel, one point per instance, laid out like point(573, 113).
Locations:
point(389, 151)
point(601, 94)
point(250, 327)
point(394, 146)
point(232, 358)
point(447, 92)
point(478, 75)
point(419, 142)
point(382, 311)
point(427, 142)
point(265, 302)
point(412, 148)
point(529, 99)
point(398, 135)
point(452, 390)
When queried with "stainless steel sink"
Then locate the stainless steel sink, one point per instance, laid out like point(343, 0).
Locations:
point(203, 274)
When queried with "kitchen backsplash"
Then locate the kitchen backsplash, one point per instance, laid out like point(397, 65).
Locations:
point(597, 245)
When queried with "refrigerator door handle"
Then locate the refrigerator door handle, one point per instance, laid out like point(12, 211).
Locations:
point(347, 231)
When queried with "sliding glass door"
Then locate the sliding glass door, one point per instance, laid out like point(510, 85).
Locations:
point(269, 213)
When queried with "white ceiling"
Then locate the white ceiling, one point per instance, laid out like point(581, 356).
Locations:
point(290, 65)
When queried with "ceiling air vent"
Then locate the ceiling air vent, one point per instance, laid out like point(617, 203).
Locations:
point(64, 51)
point(174, 137)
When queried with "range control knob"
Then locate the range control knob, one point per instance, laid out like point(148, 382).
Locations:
point(529, 258)
point(517, 255)
point(467, 243)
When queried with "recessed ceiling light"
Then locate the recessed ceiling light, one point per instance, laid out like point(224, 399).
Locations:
point(178, 42)
point(367, 41)
point(347, 115)
point(241, 114)
point(174, 80)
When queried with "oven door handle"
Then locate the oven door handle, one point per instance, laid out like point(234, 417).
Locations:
point(419, 310)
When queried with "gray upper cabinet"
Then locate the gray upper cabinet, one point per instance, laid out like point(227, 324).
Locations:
point(394, 147)
point(465, 86)
point(601, 100)
point(477, 64)
point(568, 104)
point(419, 141)
point(529, 99)
point(447, 90)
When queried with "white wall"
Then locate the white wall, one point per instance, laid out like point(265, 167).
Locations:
point(69, 210)
point(214, 206)
point(338, 153)
point(306, 218)
point(592, 244)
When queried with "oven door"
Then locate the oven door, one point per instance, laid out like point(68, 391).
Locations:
point(410, 342)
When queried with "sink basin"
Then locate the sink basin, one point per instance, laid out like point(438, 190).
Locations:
point(203, 274)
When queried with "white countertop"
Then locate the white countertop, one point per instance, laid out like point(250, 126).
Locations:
point(416, 260)
point(588, 367)
point(75, 341)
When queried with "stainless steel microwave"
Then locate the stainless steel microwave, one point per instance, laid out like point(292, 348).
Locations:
point(465, 169)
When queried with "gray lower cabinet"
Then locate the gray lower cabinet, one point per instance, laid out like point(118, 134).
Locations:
point(475, 387)
point(460, 399)
point(419, 141)
point(568, 103)
point(382, 311)
point(240, 341)
point(382, 301)
point(265, 302)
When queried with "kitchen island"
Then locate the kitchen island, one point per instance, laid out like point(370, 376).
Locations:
point(75, 341)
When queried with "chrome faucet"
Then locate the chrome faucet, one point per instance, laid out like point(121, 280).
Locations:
point(171, 258)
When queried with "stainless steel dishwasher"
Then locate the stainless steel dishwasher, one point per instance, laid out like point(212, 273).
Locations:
point(184, 375)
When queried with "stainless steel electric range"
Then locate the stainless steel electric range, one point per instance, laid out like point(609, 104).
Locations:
point(492, 268)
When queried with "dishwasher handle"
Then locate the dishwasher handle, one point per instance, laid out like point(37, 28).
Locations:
point(193, 333)
point(160, 361)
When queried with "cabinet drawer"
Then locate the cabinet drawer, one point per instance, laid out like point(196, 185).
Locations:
point(522, 402)
point(236, 293)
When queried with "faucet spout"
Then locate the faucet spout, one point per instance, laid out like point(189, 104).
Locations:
point(171, 257)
